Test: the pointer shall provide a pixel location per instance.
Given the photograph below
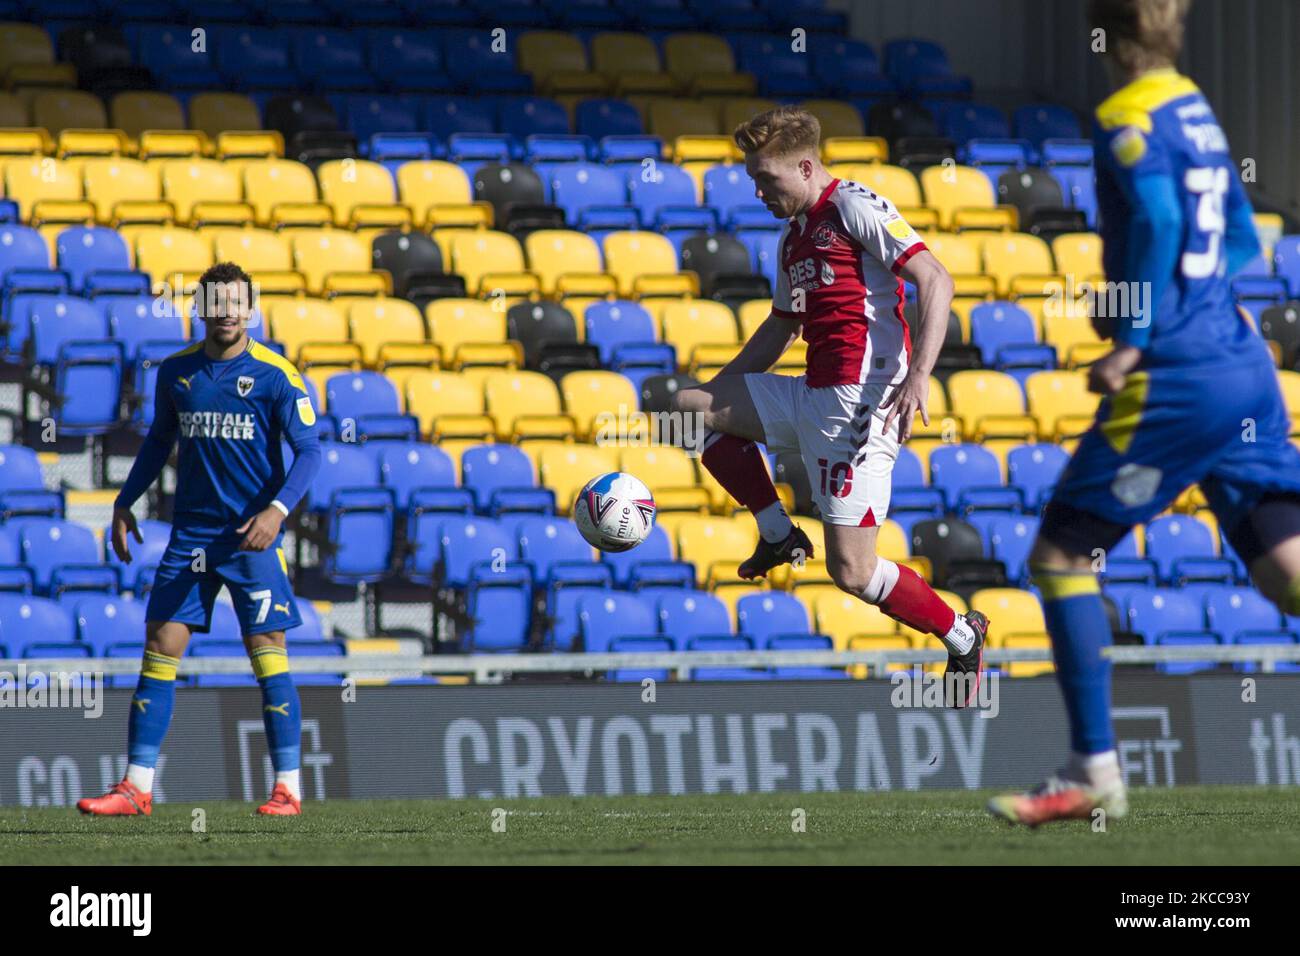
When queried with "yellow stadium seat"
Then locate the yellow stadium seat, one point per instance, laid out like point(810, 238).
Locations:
point(981, 395)
point(1007, 255)
point(706, 541)
point(1054, 395)
point(37, 179)
point(753, 314)
point(553, 253)
point(424, 184)
point(430, 394)
point(113, 180)
point(1066, 328)
point(319, 253)
point(1078, 254)
point(671, 118)
point(895, 183)
point(217, 113)
point(695, 322)
point(543, 53)
point(163, 144)
point(92, 142)
point(844, 616)
point(271, 182)
point(262, 249)
point(838, 119)
point(13, 112)
point(454, 322)
point(629, 256)
point(58, 110)
point(854, 150)
point(22, 44)
point(166, 251)
point(186, 182)
point(1010, 611)
point(565, 468)
point(306, 322)
point(949, 188)
point(481, 255)
point(377, 322)
point(514, 394)
point(615, 52)
point(136, 111)
point(590, 394)
point(959, 253)
point(249, 144)
point(346, 184)
point(690, 55)
point(892, 542)
point(1035, 642)
point(737, 110)
point(659, 466)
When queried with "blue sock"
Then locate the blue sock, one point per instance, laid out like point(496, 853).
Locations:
point(151, 709)
point(1076, 620)
point(281, 711)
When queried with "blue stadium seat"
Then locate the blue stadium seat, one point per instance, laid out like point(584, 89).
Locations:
point(20, 469)
point(599, 118)
point(762, 246)
point(670, 186)
point(406, 59)
point(958, 469)
point(405, 466)
point(105, 619)
point(1156, 611)
point(170, 53)
point(56, 320)
point(1231, 611)
point(1187, 639)
point(530, 115)
point(764, 616)
point(1011, 538)
point(486, 469)
point(24, 619)
point(465, 541)
point(968, 121)
point(613, 614)
point(220, 647)
point(620, 322)
point(136, 319)
point(500, 606)
point(655, 548)
point(545, 541)
point(1035, 469)
point(368, 114)
point(357, 394)
point(342, 466)
point(1177, 536)
point(83, 250)
point(255, 58)
point(88, 378)
point(448, 115)
point(1286, 263)
point(686, 614)
point(725, 643)
point(360, 527)
point(1039, 121)
point(331, 59)
point(994, 325)
point(311, 628)
point(727, 187)
point(124, 650)
point(47, 543)
point(575, 186)
point(562, 611)
point(1256, 638)
point(639, 645)
point(21, 247)
point(804, 642)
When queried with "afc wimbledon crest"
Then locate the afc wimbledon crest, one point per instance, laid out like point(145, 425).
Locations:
point(245, 385)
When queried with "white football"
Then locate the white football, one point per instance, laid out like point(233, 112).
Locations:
point(614, 512)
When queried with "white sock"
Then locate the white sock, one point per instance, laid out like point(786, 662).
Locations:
point(773, 523)
point(882, 582)
point(140, 777)
point(960, 637)
point(1099, 770)
point(291, 779)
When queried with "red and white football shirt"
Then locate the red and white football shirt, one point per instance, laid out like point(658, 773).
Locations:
point(838, 276)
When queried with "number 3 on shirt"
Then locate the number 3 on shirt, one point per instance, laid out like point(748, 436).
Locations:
point(1210, 185)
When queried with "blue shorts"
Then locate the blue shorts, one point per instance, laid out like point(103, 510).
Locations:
point(185, 588)
point(1226, 428)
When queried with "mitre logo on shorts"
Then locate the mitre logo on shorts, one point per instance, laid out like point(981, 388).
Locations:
point(244, 385)
point(228, 425)
point(824, 237)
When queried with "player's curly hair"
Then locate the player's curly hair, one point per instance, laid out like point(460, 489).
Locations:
point(780, 131)
point(217, 277)
point(1141, 34)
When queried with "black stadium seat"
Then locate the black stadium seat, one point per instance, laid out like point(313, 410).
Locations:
point(405, 255)
point(943, 541)
point(714, 258)
point(295, 114)
point(1281, 324)
point(537, 325)
point(1029, 189)
point(657, 391)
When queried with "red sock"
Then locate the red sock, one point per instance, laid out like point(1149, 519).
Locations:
point(738, 465)
point(914, 602)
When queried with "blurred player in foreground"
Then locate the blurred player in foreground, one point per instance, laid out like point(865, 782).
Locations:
point(229, 401)
point(843, 254)
point(1191, 394)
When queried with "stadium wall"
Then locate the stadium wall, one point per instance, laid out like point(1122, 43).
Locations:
point(558, 739)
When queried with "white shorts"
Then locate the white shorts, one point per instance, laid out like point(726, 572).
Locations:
point(839, 431)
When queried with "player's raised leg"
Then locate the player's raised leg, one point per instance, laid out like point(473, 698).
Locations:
point(726, 410)
point(151, 714)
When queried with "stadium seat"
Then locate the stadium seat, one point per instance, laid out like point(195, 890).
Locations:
point(604, 617)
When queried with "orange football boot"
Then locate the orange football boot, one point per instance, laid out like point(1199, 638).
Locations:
point(124, 800)
point(282, 803)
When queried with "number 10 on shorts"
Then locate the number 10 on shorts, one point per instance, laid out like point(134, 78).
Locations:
point(840, 478)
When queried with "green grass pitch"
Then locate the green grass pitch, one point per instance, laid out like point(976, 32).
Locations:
point(1190, 825)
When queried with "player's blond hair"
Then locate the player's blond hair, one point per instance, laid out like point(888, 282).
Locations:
point(1141, 34)
point(780, 132)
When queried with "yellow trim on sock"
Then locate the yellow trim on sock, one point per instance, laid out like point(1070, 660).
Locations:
point(1059, 585)
point(269, 660)
point(159, 666)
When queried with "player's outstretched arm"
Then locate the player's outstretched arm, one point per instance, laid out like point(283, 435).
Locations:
point(934, 288)
point(768, 343)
